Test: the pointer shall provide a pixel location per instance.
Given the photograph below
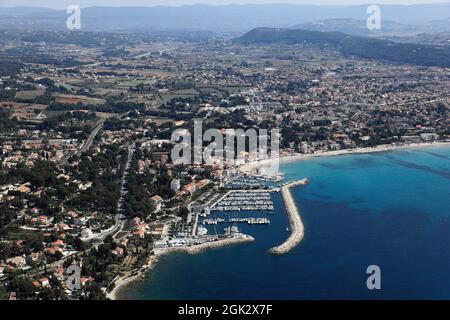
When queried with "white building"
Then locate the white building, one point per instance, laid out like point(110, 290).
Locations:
point(86, 233)
point(175, 184)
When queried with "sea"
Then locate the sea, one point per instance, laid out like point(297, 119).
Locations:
point(389, 209)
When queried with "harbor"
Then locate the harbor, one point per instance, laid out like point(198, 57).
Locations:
point(239, 200)
point(250, 207)
point(236, 220)
point(301, 273)
point(254, 181)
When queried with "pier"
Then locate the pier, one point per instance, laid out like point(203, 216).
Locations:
point(295, 221)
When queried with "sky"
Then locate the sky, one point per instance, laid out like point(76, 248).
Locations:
point(60, 4)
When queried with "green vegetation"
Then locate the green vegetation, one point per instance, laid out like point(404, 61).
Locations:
point(369, 48)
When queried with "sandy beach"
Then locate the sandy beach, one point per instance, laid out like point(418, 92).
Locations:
point(123, 281)
point(126, 279)
point(254, 166)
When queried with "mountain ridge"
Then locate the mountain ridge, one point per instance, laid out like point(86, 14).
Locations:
point(236, 17)
point(351, 45)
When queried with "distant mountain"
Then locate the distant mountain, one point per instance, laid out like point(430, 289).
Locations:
point(388, 28)
point(349, 45)
point(213, 18)
point(22, 11)
point(442, 25)
point(359, 27)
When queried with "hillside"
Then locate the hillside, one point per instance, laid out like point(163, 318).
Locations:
point(349, 45)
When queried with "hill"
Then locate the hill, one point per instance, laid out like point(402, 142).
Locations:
point(350, 45)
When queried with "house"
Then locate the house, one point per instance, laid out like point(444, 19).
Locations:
point(53, 250)
point(202, 183)
point(24, 188)
point(157, 200)
point(190, 188)
point(44, 282)
point(118, 251)
point(43, 220)
point(135, 221)
point(62, 226)
point(58, 270)
point(80, 221)
point(84, 281)
point(18, 262)
point(138, 234)
point(62, 176)
point(158, 231)
point(59, 243)
point(175, 184)
point(86, 233)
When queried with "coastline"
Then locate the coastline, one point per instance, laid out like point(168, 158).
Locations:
point(253, 166)
point(124, 280)
point(205, 246)
point(296, 234)
point(127, 279)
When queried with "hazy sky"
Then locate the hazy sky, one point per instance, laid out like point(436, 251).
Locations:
point(59, 4)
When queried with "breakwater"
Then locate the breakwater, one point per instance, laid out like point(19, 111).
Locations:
point(194, 249)
point(295, 221)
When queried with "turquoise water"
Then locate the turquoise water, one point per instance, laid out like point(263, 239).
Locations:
point(391, 209)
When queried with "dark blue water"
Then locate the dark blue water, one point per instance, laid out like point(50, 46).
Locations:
point(391, 209)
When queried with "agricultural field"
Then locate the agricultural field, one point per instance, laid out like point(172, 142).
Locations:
point(24, 111)
point(75, 99)
point(29, 94)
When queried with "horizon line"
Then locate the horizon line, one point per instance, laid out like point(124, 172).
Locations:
point(229, 4)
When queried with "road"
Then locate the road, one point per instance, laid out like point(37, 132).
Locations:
point(88, 143)
point(85, 146)
point(121, 217)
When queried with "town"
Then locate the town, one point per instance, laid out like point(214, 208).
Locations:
point(86, 119)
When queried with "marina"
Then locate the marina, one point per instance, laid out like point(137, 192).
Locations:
point(254, 181)
point(255, 200)
point(237, 220)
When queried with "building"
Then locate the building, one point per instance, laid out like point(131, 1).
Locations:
point(175, 184)
point(157, 200)
point(86, 233)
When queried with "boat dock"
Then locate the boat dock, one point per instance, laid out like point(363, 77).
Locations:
point(250, 221)
point(295, 221)
point(254, 181)
point(245, 200)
